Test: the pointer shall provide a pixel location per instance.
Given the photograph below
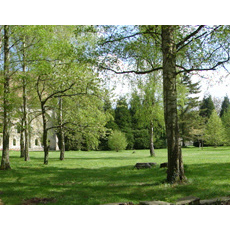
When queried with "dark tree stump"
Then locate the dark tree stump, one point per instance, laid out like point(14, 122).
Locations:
point(164, 165)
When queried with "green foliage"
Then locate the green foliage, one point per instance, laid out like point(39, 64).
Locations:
point(117, 141)
point(129, 137)
point(123, 120)
point(226, 122)
point(122, 114)
point(188, 112)
point(85, 121)
point(214, 131)
point(206, 107)
point(147, 110)
point(141, 137)
point(224, 106)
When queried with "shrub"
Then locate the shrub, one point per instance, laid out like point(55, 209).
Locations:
point(117, 141)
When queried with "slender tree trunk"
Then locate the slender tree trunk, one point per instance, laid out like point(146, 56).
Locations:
point(183, 143)
point(152, 152)
point(26, 135)
point(22, 143)
point(61, 136)
point(5, 163)
point(45, 136)
point(175, 171)
point(25, 114)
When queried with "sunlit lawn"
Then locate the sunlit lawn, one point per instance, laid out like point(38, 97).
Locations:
point(106, 177)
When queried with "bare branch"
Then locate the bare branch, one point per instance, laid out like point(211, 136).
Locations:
point(129, 36)
point(184, 70)
point(133, 71)
point(178, 45)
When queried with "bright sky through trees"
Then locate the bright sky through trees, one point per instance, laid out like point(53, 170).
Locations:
point(215, 83)
point(210, 84)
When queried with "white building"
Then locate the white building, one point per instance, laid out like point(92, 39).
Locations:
point(35, 137)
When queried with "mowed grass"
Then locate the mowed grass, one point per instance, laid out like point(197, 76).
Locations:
point(105, 177)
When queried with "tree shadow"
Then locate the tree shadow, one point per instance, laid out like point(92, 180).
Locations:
point(110, 184)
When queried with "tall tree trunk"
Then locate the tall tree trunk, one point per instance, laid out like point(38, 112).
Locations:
point(152, 152)
point(25, 114)
point(45, 136)
point(175, 171)
point(5, 163)
point(22, 143)
point(61, 136)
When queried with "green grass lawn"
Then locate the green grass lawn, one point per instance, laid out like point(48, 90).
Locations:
point(106, 177)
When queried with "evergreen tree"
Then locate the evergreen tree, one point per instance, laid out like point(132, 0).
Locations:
point(207, 107)
point(122, 114)
point(187, 108)
point(226, 122)
point(124, 120)
point(224, 106)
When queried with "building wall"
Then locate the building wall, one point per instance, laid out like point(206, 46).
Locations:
point(35, 137)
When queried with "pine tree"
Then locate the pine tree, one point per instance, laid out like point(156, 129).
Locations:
point(224, 106)
point(187, 105)
point(207, 106)
point(124, 120)
point(226, 122)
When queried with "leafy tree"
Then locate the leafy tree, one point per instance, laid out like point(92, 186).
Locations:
point(149, 109)
point(84, 120)
point(214, 131)
point(179, 49)
point(5, 163)
point(117, 141)
point(224, 106)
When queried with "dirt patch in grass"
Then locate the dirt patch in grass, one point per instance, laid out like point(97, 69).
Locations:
point(36, 200)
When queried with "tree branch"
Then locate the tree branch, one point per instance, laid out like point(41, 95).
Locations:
point(129, 36)
point(58, 92)
point(202, 69)
point(133, 71)
point(178, 45)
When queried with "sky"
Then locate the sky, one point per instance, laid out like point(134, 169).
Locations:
point(215, 83)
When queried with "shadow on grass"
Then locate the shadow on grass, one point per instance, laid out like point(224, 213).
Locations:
point(113, 184)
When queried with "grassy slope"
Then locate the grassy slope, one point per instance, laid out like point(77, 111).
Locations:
point(105, 177)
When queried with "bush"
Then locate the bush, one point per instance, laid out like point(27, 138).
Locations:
point(117, 141)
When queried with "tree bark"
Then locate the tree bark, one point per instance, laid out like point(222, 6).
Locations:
point(25, 114)
point(45, 136)
point(61, 136)
point(152, 152)
point(5, 163)
point(22, 143)
point(175, 171)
